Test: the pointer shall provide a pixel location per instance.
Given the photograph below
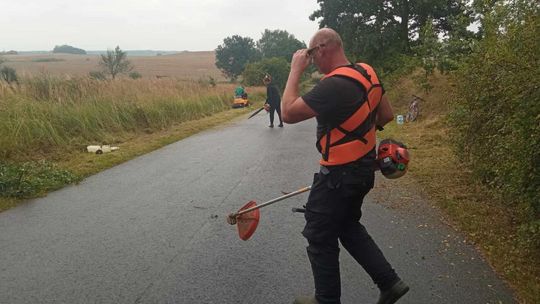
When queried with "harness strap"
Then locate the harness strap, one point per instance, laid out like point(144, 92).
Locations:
point(345, 143)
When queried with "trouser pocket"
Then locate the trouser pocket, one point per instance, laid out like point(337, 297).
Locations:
point(319, 211)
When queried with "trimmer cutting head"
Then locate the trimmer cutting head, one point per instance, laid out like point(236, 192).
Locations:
point(247, 222)
point(247, 218)
point(231, 219)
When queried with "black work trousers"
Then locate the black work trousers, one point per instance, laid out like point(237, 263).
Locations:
point(333, 213)
point(277, 108)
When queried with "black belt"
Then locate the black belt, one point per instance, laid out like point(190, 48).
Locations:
point(362, 164)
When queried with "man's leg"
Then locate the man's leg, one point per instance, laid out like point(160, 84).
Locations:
point(363, 248)
point(365, 251)
point(354, 235)
point(321, 231)
point(324, 259)
point(278, 110)
point(271, 117)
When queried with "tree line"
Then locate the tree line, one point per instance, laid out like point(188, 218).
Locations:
point(386, 34)
point(271, 54)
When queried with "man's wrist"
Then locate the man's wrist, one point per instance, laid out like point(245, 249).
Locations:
point(295, 73)
point(294, 80)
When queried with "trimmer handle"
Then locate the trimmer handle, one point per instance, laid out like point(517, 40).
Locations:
point(299, 210)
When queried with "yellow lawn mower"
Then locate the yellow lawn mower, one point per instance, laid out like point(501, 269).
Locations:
point(240, 101)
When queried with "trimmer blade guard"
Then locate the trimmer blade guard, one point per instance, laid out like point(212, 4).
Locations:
point(247, 222)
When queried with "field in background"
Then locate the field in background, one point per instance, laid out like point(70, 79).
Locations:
point(55, 110)
point(185, 65)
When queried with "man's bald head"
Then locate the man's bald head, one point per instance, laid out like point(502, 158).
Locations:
point(326, 50)
point(328, 37)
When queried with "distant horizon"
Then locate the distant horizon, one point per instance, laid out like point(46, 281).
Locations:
point(133, 52)
point(104, 50)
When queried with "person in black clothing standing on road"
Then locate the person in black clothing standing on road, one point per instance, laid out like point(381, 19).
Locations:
point(273, 101)
point(347, 117)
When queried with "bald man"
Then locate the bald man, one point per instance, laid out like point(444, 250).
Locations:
point(346, 174)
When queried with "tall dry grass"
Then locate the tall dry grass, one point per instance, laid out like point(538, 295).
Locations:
point(47, 113)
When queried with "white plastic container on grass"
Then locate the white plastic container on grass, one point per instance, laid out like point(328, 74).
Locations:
point(100, 149)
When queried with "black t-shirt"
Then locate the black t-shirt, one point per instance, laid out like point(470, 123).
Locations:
point(272, 95)
point(335, 99)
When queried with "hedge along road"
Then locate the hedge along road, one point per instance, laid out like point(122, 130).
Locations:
point(153, 230)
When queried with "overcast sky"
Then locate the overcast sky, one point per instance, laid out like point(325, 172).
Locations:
point(195, 25)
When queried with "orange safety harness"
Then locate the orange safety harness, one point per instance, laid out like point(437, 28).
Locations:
point(355, 137)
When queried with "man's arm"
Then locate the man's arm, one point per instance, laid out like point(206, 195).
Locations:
point(293, 108)
point(384, 112)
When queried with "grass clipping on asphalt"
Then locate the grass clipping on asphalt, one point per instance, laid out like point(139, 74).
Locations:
point(469, 206)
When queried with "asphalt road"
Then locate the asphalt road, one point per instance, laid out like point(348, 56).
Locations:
point(153, 230)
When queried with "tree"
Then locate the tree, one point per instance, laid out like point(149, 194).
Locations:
point(278, 68)
point(279, 43)
point(429, 51)
point(115, 62)
point(375, 30)
point(234, 54)
point(68, 49)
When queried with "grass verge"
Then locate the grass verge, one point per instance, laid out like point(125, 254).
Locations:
point(469, 206)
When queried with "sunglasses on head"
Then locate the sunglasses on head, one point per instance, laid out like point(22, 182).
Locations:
point(313, 49)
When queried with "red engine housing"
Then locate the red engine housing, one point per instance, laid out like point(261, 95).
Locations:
point(392, 158)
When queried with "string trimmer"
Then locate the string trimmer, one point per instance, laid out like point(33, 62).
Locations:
point(247, 218)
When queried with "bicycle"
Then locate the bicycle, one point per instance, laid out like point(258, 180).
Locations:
point(414, 109)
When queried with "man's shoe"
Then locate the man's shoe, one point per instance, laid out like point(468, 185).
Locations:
point(280, 125)
point(393, 294)
point(271, 126)
point(305, 300)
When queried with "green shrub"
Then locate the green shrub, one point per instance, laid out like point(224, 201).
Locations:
point(497, 115)
point(31, 179)
point(207, 81)
point(278, 68)
point(212, 81)
point(135, 75)
point(8, 74)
